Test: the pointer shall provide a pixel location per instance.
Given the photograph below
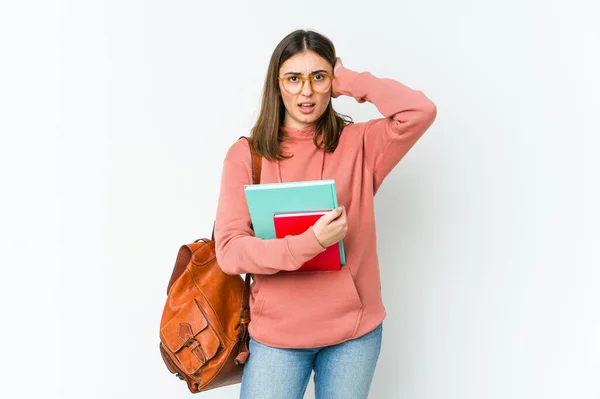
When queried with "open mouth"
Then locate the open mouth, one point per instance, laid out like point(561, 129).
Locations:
point(306, 107)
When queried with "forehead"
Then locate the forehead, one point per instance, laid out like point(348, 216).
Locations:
point(305, 62)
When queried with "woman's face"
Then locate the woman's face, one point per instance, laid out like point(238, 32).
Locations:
point(306, 107)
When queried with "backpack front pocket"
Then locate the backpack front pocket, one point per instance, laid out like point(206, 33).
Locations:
point(190, 338)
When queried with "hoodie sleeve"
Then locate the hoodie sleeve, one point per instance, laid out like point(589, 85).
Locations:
point(407, 115)
point(238, 250)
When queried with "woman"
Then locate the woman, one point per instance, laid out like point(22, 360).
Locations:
point(327, 321)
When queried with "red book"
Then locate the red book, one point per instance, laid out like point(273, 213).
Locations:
point(294, 223)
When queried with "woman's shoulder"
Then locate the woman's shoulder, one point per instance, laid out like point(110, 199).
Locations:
point(237, 163)
point(354, 131)
point(239, 151)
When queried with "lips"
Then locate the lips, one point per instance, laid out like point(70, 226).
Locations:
point(306, 108)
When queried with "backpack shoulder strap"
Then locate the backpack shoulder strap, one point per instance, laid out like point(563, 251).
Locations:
point(256, 161)
point(244, 350)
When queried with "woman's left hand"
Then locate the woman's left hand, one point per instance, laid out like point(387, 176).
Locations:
point(338, 63)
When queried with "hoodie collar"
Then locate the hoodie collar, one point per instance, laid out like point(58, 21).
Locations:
point(293, 134)
point(300, 135)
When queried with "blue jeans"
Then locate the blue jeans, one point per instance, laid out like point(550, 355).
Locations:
point(342, 371)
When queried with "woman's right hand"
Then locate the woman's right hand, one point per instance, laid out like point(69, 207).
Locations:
point(331, 227)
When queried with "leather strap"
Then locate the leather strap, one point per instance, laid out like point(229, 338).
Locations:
point(256, 169)
point(256, 162)
point(244, 350)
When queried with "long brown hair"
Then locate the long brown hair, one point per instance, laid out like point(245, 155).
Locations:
point(266, 134)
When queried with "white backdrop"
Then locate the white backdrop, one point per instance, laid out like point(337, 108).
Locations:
point(116, 116)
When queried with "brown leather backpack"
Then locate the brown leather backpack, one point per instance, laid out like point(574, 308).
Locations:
point(204, 327)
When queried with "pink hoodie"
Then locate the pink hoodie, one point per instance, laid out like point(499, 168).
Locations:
point(319, 308)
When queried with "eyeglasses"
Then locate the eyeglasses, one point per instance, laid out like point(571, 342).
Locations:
point(320, 83)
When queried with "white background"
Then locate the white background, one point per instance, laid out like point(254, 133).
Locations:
point(115, 117)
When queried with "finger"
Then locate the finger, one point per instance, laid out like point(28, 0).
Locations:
point(332, 215)
point(337, 212)
point(335, 224)
point(338, 63)
point(339, 223)
point(342, 214)
point(342, 221)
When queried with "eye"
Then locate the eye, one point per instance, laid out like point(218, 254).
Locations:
point(293, 79)
point(318, 77)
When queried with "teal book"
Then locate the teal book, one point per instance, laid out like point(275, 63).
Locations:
point(266, 200)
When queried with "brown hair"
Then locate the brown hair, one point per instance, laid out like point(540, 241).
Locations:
point(266, 135)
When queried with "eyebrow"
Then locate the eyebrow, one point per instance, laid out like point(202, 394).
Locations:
point(312, 73)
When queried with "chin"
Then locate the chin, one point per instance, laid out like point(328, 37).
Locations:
point(308, 119)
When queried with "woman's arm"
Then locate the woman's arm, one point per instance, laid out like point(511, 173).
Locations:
point(407, 115)
point(238, 250)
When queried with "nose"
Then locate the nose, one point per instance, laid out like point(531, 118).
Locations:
point(307, 88)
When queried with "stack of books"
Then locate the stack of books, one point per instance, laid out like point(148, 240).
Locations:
point(281, 209)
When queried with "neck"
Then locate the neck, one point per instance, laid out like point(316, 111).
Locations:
point(303, 134)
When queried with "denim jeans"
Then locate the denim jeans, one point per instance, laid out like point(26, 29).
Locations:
point(342, 371)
